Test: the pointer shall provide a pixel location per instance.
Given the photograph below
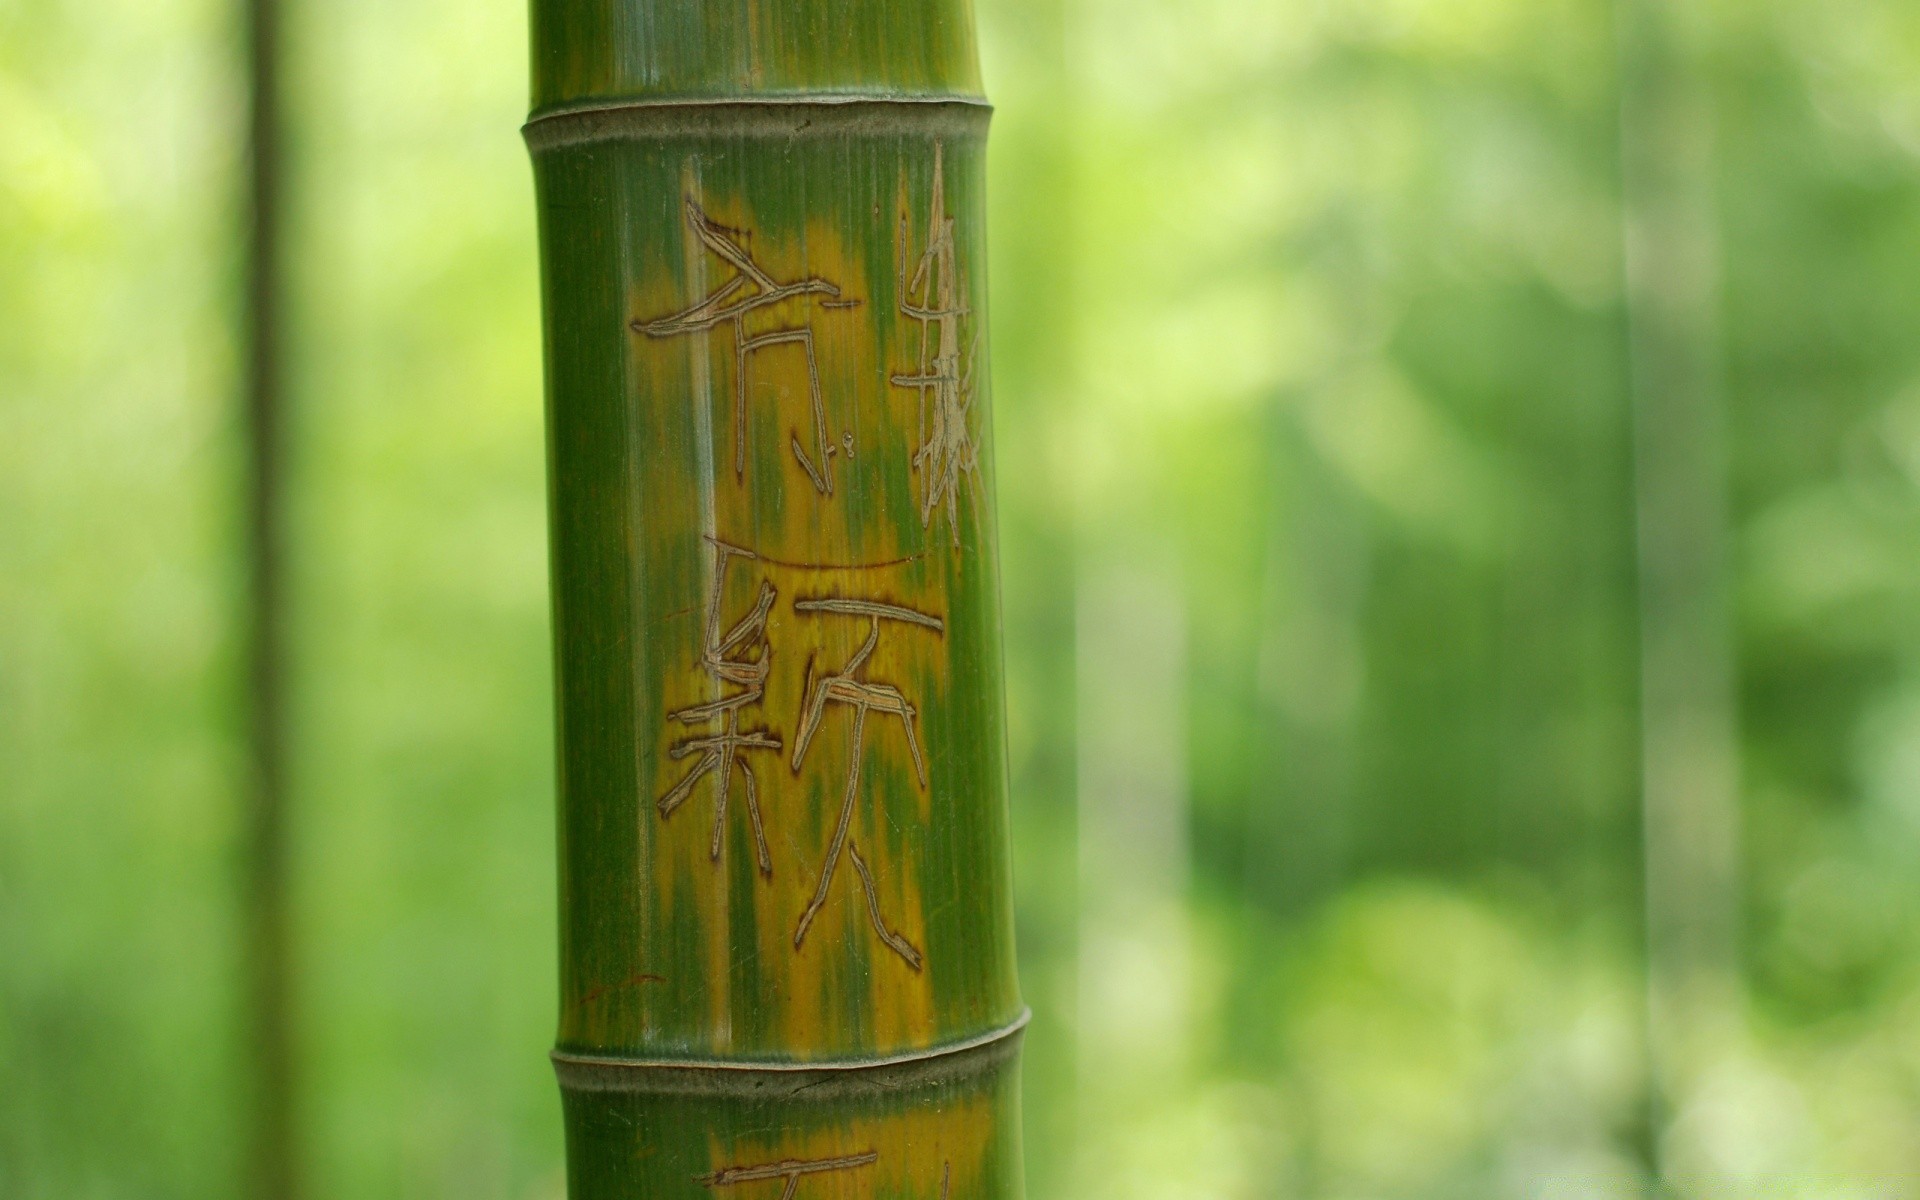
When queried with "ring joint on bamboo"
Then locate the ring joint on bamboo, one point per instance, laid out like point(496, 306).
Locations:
point(936, 1064)
point(793, 117)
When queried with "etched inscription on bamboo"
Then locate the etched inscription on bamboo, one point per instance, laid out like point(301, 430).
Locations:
point(762, 313)
point(847, 687)
point(742, 656)
point(935, 298)
point(749, 290)
point(792, 1170)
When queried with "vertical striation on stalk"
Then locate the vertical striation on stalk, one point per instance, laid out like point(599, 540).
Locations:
point(786, 934)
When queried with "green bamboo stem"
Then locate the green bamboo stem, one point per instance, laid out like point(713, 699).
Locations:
point(273, 1164)
point(786, 943)
point(1689, 723)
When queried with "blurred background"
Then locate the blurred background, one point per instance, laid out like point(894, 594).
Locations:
point(1459, 470)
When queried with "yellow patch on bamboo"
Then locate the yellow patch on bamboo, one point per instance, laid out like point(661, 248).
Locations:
point(812, 614)
point(862, 951)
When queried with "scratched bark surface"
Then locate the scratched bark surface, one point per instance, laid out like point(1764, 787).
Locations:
point(783, 830)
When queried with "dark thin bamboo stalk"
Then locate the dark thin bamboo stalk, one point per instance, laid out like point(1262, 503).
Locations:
point(273, 1169)
point(1688, 719)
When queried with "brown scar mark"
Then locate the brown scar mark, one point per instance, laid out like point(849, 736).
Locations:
point(845, 686)
point(946, 1179)
point(726, 305)
point(743, 657)
point(947, 451)
point(840, 304)
point(789, 1169)
point(900, 945)
point(598, 990)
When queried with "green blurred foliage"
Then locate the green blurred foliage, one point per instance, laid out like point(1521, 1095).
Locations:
point(1314, 446)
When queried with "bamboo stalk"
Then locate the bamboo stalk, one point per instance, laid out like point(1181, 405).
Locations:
point(273, 1165)
point(1688, 714)
point(786, 936)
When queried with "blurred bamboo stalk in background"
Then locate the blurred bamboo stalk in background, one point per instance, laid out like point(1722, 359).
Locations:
point(267, 951)
point(786, 933)
point(1689, 733)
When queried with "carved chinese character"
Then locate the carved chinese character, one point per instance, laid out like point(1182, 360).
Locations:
point(845, 686)
point(789, 1169)
point(742, 657)
point(745, 293)
point(947, 452)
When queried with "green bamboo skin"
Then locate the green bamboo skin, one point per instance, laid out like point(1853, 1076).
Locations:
point(786, 935)
point(596, 51)
point(937, 1128)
